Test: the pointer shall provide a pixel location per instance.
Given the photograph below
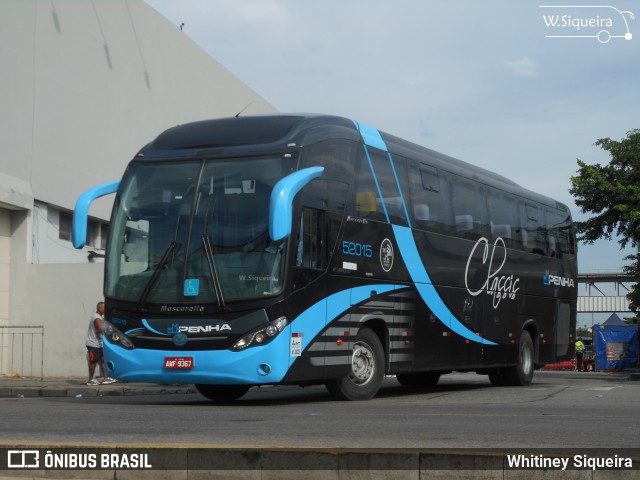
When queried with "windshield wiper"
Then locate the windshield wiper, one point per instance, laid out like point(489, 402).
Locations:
point(173, 246)
point(208, 250)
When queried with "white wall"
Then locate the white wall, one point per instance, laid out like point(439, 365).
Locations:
point(5, 264)
point(84, 86)
point(48, 247)
point(60, 297)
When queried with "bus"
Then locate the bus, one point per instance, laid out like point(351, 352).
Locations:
point(313, 249)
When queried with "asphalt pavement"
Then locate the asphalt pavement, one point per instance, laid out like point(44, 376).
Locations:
point(11, 386)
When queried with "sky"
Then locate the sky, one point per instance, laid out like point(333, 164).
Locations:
point(491, 82)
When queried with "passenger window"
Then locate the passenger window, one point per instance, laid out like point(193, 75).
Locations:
point(559, 233)
point(532, 229)
point(388, 175)
point(366, 202)
point(310, 240)
point(429, 177)
point(338, 159)
point(503, 218)
point(469, 210)
point(427, 199)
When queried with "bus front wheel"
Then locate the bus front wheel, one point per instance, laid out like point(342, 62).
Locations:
point(367, 370)
point(222, 393)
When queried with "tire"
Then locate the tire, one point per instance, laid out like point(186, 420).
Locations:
point(222, 393)
point(497, 378)
point(522, 374)
point(367, 370)
point(418, 379)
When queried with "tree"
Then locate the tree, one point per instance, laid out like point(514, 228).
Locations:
point(612, 194)
point(583, 332)
point(633, 269)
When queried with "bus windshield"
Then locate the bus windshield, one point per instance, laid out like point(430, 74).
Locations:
point(195, 232)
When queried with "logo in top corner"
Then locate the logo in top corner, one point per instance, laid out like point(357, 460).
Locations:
point(602, 22)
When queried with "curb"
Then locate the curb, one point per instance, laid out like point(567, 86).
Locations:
point(78, 391)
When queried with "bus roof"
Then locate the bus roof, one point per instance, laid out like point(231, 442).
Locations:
point(260, 133)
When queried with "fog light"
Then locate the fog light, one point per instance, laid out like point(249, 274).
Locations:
point(264, 369)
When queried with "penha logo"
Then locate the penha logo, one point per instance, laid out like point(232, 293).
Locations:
point(602, 22)
point(175, 328)
point(556, 280)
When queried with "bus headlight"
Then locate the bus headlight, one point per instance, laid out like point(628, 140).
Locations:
point(113, 335)
point(262, 335)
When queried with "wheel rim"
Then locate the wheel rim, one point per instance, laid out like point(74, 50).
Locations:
point(362, 364)
point(526, 360)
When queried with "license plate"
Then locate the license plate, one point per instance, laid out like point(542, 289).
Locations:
point(181, 363)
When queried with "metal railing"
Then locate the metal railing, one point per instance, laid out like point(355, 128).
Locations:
point(22, 350)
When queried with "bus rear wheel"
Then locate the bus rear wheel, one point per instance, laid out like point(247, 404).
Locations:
point(521, 374)
point(367, 370)
point(222, 393)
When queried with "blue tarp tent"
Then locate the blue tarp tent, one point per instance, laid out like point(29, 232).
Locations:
point(616, 344)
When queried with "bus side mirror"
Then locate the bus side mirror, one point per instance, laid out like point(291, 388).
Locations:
point(281, 204)
point(81, 212)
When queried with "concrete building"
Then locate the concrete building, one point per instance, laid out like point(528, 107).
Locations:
point(83, 86)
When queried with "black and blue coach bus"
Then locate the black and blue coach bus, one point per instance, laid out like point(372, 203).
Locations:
point(310, 249)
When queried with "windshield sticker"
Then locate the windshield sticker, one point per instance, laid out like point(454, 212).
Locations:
point(191, 287)
point(296, 344)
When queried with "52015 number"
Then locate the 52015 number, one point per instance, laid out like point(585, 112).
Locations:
point(357, 249)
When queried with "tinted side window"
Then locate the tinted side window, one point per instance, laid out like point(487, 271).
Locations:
point(469, 211)
point(379, 198)
point(386, 174)
point(338, 157)
point(503, 218)
point(532, 229)
point(365, 199)
point(558, 233)
point(427, 199)
point(310, 240)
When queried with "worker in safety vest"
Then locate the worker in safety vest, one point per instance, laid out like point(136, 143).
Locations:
point(579, 354)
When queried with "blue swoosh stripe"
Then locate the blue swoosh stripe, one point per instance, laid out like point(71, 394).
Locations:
point(371, 136)
point(315, 318)
point(419, 275)
point(409, 251)
point(128, 332)
point(150, 328)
